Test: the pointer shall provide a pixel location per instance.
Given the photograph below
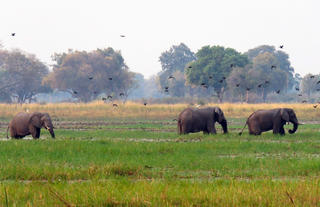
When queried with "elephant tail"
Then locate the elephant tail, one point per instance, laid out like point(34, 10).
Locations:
point(240, 133)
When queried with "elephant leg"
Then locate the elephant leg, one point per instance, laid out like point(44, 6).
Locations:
point(211, 128)
point(282, 131)
point(35, 132)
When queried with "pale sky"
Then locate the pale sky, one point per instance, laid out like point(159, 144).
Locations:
point(44, 27)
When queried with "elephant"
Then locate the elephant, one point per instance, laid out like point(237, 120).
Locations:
point(274, 119)
point(195, 120)
point(24, 124)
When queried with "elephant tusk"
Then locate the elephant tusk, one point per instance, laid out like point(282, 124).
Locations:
point(300, 123)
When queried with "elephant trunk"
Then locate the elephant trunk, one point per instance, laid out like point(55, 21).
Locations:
point(49, 127)
point(52, 132)
point(295, 127)
point(224, 125)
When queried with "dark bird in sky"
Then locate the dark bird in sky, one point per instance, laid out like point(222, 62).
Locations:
point(278, 91)
point(315, 106)
point(318, 89)
point(220, 81)
point(13, 34)
point(75, 92)
point(273, 67)
point(304, 101)
point(109, 97)
point(166, 90)
point(115, 105)
point(202, 84)
point(171, 77)
point(281, 46)
point(122, 36)
point(210, 77)
point(121, 94)
point(297, 89)
point(104, 99)
point(318, 82)
point(248, 89)
point(167, 87)
point(238, 84)
point(90, 78)
point(259, 86)
point(267, 82)
point(190, 66)
point(299, 94)
point(95, 92)
point(223, 78)
point(145, 103)
point(311, 76)
point(231, 65)
point(110, 78)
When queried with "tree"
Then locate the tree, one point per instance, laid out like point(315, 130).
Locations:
point(87, 74)
point(21, 75)
point(274, 57)
point(310, 85)
point(213, 66)
point(173, 63)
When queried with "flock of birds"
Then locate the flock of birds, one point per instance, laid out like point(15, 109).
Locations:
point(203, 84)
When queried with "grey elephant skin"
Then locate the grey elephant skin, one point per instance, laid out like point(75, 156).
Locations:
point(195, 120)
point(24, 124)
point(274, 119)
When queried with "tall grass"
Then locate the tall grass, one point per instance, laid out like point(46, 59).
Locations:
point(130, 110)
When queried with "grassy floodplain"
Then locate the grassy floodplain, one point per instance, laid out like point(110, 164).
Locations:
point(132, 156)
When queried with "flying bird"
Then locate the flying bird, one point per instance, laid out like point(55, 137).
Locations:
point(237, 85)
point(259, 86)
point(281, 46)
point(167, 87)
point(210, 77)
point(114, 105)
point(299, 94)
point(202, 84)
point(278, 91)
point(145, 103)
point(109, 97)
point(220, 81)
point(110, 78)
point(122, 36)
point(297, 89)
point(90, 78)
point(171, 77)
point(304, 101)
point(315, 106)
point(95, 92)
point(267, 82)
point(166, 90)
point(248, 89)
point(312, 76)
point(121, 94)
point(75, 92)
point(13, 34)
point(104, 99)
point(231, 65)
point(273, 66)
point(190, 66)
point(318, 82)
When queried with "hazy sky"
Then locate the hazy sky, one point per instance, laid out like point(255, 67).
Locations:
point(43, 27)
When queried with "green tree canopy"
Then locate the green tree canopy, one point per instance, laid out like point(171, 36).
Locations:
point(213, 66)
point(87, 74)
point(173, 63)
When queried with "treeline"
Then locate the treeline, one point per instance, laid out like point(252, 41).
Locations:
point(215, 73)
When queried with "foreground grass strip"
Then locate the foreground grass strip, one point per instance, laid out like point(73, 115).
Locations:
point(123, 192)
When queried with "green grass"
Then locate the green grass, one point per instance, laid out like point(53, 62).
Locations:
point(144, 164)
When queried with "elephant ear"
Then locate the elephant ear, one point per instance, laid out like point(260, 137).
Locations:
point(219, 113)
point(35, 120)
point(284, 115)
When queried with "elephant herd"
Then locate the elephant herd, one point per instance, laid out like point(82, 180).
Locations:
point(190, 120)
